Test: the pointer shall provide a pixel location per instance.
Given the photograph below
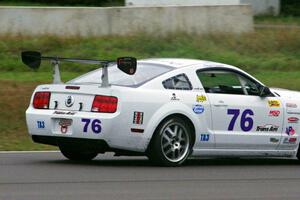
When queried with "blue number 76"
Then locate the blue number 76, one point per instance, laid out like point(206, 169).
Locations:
point(246, 122)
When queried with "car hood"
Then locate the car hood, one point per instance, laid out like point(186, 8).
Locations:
point(290, 94)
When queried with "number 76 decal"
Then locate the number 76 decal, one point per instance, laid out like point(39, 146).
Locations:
point(96, 125)
point(246, 121)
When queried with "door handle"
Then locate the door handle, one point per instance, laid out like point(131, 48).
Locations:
point(220, 105)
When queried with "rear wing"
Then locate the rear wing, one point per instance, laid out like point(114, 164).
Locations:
point(33, 60)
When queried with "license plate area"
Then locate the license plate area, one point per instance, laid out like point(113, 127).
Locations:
point(62, 126)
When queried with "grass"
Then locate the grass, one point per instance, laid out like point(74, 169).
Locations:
point(272, 56)
point(280, 20)
point(263, 50)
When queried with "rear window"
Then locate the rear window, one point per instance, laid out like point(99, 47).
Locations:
point(144, 73)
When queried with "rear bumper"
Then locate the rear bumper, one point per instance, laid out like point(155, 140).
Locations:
point(98, 145)
point(44, 126)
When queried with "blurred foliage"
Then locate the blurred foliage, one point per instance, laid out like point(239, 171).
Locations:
point(65, 2)
point(290, 7)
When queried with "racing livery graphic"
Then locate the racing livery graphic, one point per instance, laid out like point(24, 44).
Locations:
point(165, 109)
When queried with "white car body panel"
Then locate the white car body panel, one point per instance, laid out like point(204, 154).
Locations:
point(156, 103)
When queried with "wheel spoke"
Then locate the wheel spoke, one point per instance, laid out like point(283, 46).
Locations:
point(165, 136)
point(168, 151)
point(170, 131)
point(175, 130)
point(166, 145)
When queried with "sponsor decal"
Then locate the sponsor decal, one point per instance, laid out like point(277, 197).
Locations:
point(201, 98)
point(69, 101)
point(274, 113)
point(290, 140)
point(174, 98)
point(267, 128)
point(138, 117)
point(198, 109)
point(293, 113)
point(293, 119)
point(204, 137)
point(95, 125)
point(290, 130)
point(274, 140)
point(64, 124)
point(291, 105)
point(274, 103)
point(40, 124)
point(64, 113)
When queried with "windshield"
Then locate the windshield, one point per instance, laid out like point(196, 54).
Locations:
point(144, 73)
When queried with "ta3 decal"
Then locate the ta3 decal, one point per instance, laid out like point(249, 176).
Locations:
point(40, 124)
point(204, 137)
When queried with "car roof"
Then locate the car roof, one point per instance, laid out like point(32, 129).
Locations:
point(183, 62)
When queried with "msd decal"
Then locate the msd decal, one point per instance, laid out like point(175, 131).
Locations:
point(274, 103)
point(290, 130)
point(138, 117)
point(274, 113)
point(293, 120)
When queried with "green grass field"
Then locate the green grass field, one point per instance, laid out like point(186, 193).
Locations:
point(272, 56)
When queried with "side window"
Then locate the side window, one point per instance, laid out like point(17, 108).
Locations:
point(179, 82)
point(222, 82)
point(251, 88)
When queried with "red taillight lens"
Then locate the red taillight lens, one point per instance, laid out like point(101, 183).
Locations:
point(105, 104)
point(41, 100)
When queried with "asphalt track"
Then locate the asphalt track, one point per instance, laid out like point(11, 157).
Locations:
point(48, 175)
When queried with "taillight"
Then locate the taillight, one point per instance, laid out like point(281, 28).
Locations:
point(41, 100)
point(105, 104)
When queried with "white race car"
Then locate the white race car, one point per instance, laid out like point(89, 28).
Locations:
point(166, 109)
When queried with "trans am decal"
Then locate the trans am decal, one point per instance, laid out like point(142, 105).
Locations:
point(267, 128)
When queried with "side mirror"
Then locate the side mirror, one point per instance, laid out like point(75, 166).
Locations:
point(127, 65)
point(264, 91)
point(31, 58)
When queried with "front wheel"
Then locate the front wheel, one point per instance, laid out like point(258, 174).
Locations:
point(77, 154)
point(172, 143)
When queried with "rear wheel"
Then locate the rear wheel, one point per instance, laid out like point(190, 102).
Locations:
point(172, 143)
point(77, 154)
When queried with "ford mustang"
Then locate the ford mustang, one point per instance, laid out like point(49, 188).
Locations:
point(166, 109)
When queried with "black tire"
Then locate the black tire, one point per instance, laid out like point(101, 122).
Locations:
point(168, 147)
point(77, 154)
point(298, 153)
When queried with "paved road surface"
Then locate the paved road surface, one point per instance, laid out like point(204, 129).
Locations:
point(39, 176)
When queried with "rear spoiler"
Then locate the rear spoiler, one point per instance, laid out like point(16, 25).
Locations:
point(33, 60)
